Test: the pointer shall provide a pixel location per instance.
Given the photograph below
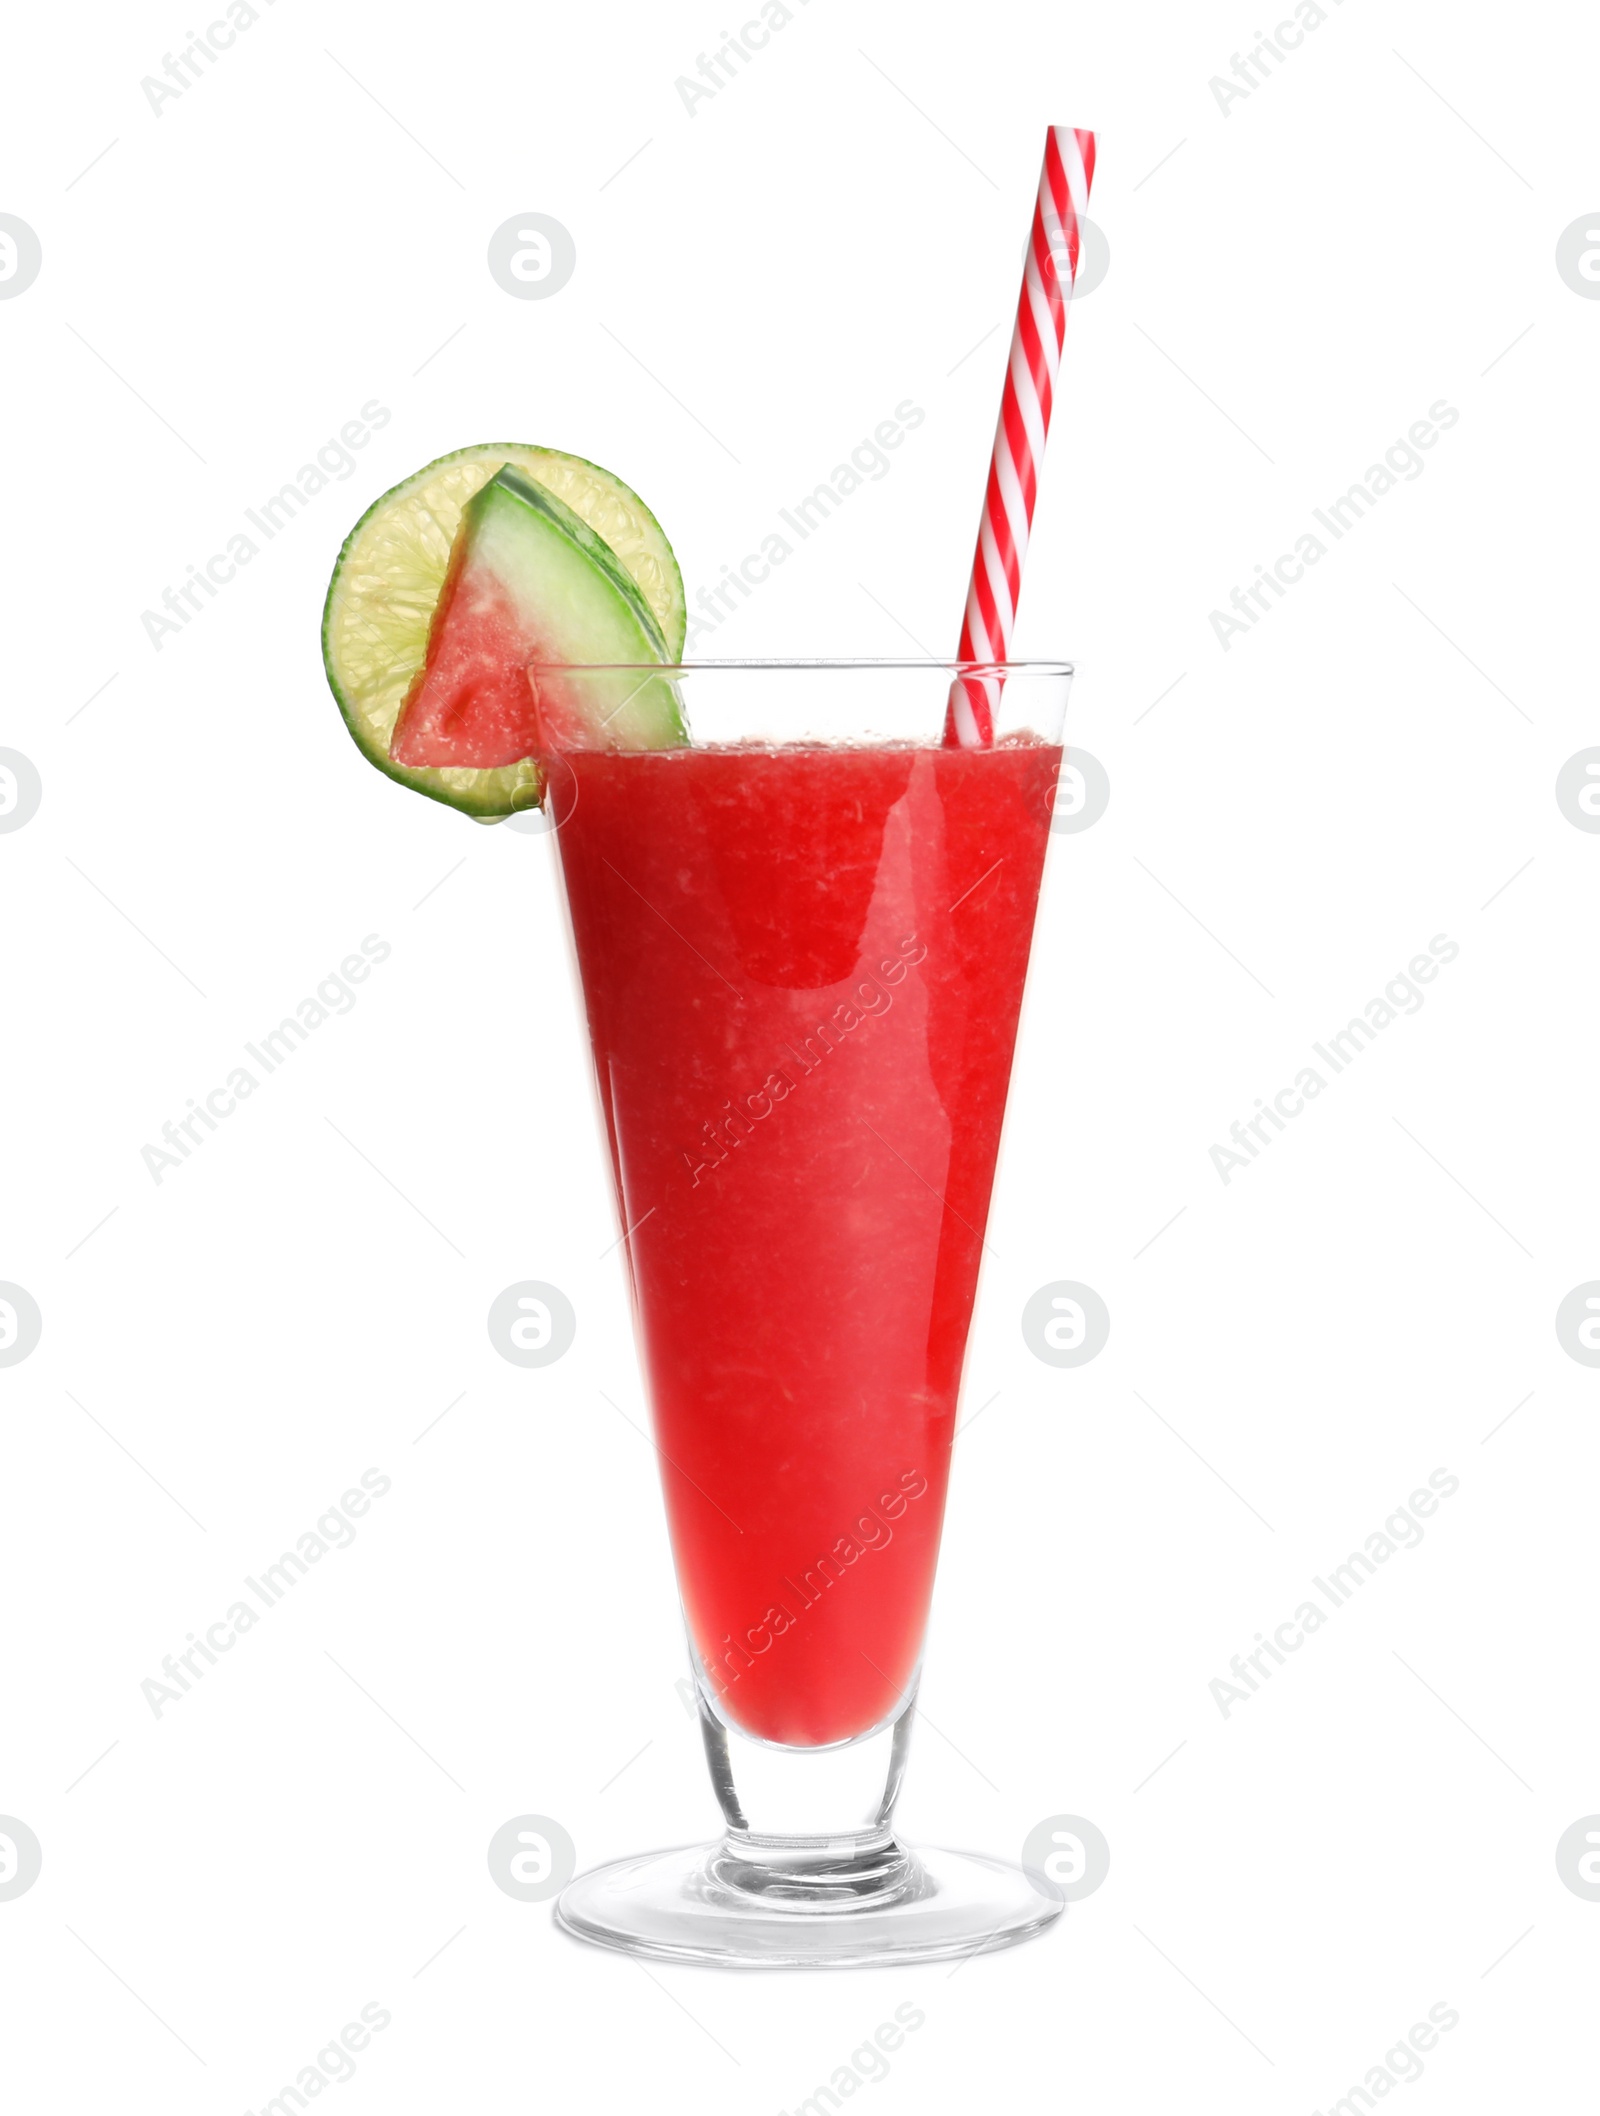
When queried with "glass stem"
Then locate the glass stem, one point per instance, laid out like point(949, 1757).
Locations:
point(810, 1827)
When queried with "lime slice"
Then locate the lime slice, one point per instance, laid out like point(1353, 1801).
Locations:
point(388, 577)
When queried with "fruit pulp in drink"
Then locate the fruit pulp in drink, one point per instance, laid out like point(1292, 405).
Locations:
point(802, 968)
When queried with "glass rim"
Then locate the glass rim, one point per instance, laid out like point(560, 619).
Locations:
point(812, 665)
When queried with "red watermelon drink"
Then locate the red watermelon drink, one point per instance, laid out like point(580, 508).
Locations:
point(802, 968)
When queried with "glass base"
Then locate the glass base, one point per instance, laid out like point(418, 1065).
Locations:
point(697, 1904)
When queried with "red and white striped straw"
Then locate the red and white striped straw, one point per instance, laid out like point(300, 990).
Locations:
point(1020, 435)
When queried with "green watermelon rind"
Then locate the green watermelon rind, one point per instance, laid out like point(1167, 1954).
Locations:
point(590, 542)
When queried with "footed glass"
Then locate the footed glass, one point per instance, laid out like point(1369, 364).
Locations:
point(802, 945)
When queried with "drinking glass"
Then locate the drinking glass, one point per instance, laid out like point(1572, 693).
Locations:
point(802, 945)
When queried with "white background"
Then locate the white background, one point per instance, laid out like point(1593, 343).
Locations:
point(1292, 284)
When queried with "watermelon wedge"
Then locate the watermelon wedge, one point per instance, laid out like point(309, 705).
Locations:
point(530, 582)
